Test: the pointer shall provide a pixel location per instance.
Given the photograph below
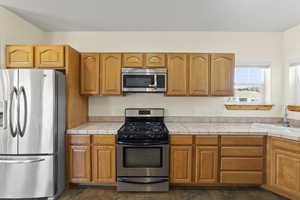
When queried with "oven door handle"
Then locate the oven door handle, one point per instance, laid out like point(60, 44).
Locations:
point(125, 180)
point(142, 144)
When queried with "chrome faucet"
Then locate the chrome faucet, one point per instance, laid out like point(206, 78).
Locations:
point(286, 122)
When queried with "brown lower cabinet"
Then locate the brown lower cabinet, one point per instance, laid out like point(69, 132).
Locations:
point(206, 167)
point(194, 160)
point(242, 160)
point(284, 167)
point(79, 162)
point(199, 160)
point(181, 164)
point(92, 159)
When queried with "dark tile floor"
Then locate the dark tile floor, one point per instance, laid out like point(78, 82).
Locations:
point(90, 193)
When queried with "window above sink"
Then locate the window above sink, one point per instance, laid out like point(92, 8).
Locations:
point(251, 88)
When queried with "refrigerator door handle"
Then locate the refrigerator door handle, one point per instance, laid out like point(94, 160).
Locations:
point(4, 115)
point(23, 93)
point(13, 93)
point(21, 161)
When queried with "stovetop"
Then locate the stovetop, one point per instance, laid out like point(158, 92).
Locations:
point(143, 132)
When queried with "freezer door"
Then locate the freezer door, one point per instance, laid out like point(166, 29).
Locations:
point(27, 176)
point(8, 111)
point(37, 121)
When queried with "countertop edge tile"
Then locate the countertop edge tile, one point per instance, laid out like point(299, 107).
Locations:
point(190, 128)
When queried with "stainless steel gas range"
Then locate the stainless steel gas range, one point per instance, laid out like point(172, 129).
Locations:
point(143, 151)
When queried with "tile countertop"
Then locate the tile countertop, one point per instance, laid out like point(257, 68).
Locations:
point(96, 128)
point(199, 129)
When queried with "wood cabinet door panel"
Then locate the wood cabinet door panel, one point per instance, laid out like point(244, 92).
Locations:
point(111, 73)
point(133, 60)
point(285, 171)
point(79, 164)
point(155, 60)
point(177, 75)
point(52, 56)
point(181, 164)
point(104, 164)
point(19, 56)
point(90, 73)
point(222, 74)
point(199, 74)
point(206, 164)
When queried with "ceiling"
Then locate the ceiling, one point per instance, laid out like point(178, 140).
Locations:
point(158, 15)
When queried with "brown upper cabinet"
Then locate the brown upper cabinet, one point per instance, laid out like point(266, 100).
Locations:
point(50, 56)
point(90, 73)
point(41, 56)
point(155, 60)
point(19, 56)
point(222, 74)
point(198, 74)
point(111, 64)
point(177, 74)
point(133, 60)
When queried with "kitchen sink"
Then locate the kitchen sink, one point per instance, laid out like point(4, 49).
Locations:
point(276, 127)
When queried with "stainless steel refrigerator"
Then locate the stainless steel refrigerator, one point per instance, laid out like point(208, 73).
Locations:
point(32, 126)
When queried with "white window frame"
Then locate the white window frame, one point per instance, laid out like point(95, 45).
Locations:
point(294, 82)
point(266, 96)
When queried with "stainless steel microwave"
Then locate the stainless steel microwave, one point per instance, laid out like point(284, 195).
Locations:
point(144, 80)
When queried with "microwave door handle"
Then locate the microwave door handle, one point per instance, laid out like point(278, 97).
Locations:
point(155, 81)
point(154, 85)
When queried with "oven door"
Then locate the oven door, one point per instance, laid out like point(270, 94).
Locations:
point(143, 160)
point(143, 82)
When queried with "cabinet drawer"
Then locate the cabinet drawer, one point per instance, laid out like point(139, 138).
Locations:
point(104, 139)
point(255, 178)
point(80, 139)
point(242, 140)
point(242, 164)
point(207, 140)
point(242, 151)
point(181, 139)
point(285, 144)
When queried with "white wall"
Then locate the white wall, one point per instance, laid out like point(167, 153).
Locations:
point(249, 48)
point(291, 51)
point(15, 30)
